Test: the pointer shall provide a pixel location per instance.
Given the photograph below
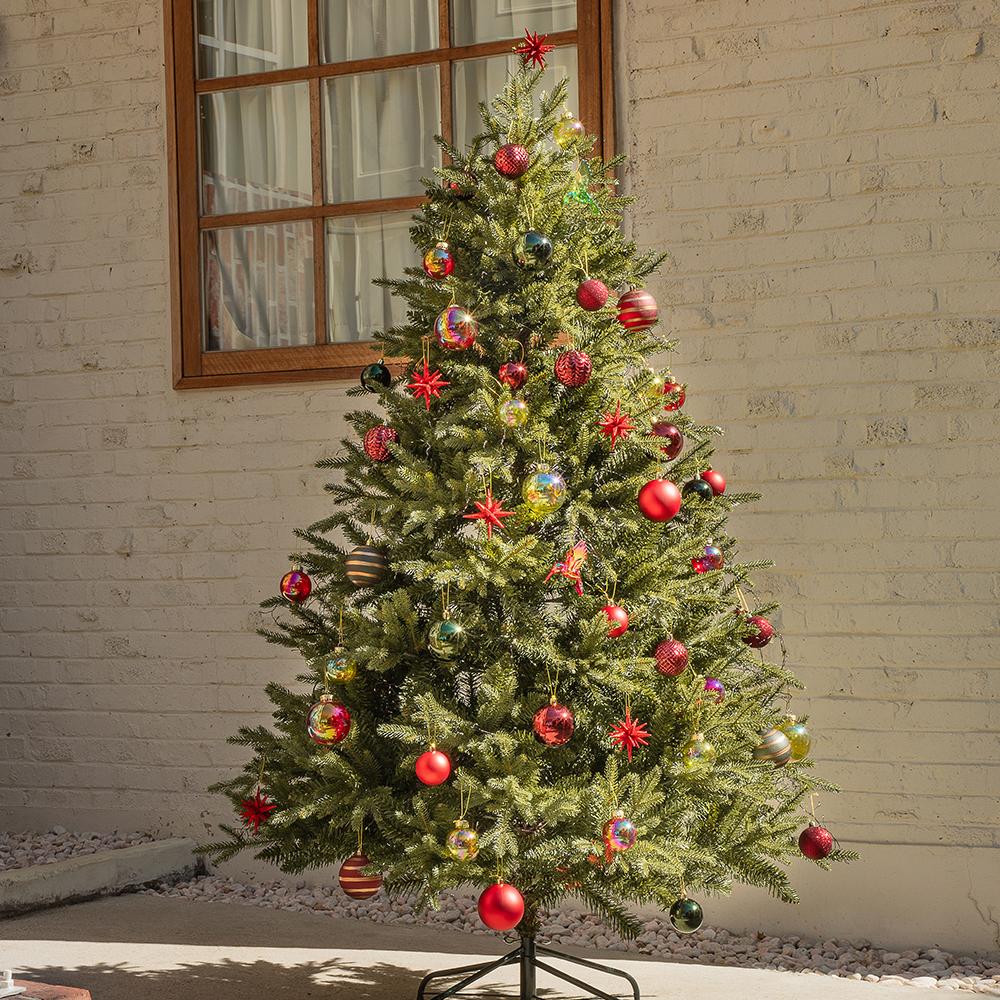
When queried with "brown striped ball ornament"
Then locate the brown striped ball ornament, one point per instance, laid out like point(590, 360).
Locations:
point(774, 747)
point(365, 566)
point(356, 885)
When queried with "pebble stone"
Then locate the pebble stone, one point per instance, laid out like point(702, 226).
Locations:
point(856, 959)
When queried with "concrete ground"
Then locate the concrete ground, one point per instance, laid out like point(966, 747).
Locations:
point(138, 947)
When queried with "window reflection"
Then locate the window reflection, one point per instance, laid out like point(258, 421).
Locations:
point(366, 29)
point(488, 20)
point(251, 36)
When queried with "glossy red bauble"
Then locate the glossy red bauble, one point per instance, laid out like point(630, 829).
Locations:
point(377, 442)
point(637, 310)
point(514, 374)
point(512, 161)
point(764, 631)
point(674, 439)
point(815, 842)
point(464, 187)
point(617, 620)
point(433, 767)
point(676, 390)
point(295, 586)
point(573, 368)
point(659, 500)
point(592, 294)
point(501, 907)
point(553, 724)
point(715, 480)
point(671, 657)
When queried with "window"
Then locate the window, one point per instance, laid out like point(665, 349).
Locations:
point(299, 132)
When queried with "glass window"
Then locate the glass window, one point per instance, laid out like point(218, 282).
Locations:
point(487, 20)
point(251, 36)
point(367, 29)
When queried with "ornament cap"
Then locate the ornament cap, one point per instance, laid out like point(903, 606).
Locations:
point(461, 824)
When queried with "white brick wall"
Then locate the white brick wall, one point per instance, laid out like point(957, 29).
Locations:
point(824, 176)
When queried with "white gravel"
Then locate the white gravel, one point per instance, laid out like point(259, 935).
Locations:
point(854, 959)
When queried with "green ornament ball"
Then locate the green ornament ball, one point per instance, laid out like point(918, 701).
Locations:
point(798, 738)
point(513, 413)
point(544, 491)
point(774, 747)
point(568, 129)
point(446, 639)
point(686, 915)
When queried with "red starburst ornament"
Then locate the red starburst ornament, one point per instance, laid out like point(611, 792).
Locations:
point(570, 569)
point(491, 512)
point(532, 49)
point(616, 425)
point(255, 810)
point(427, 385)
point(630, 733)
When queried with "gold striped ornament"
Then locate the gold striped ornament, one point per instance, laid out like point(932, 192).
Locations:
point(365, 566)
point(356, 885)
point(774, 747)
point(637, 310)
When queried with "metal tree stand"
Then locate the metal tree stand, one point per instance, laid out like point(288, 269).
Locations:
point(527, 957)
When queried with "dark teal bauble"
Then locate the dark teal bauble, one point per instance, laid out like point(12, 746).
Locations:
point(698, 488)
point(686, 915)
point(376, 377)
point(446, 639)
point(532, 250)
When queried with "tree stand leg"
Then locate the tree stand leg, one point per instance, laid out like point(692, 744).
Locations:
point(527, 957)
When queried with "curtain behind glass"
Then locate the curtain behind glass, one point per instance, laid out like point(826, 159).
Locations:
point(489, 20)
point(365, 29)
point(251, 36)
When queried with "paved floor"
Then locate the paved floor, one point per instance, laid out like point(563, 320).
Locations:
point(146, 948)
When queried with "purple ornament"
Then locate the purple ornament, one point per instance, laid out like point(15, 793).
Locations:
point(715, 687)
point(713, 557)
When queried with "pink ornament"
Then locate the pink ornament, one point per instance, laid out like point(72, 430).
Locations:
point(295, 586)
point(674, 439)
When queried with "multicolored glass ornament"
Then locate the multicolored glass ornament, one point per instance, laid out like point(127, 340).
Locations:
point(712, 559)
point(798, 738)
point(513, 413)
point(716, 688)
point(532, 250)
point(514, 374)
point(573, 368)
point(446, 639)
point(619, 832)
point(376, 377)
point(774, 748)
point(544, 491)
point(336, 667)
point(365, 566)
point(697, 754)
point(512, 161)
point(295, 585)
point(673, 437)
point(637, 310)
point(553, 724)
point(329, 721)
point(686, 915)
point(568, 129)
point(456, 329)
point(438, 261)
point(463, 842)
point(377, 441)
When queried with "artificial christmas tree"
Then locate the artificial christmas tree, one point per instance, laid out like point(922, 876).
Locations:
point(469, 643)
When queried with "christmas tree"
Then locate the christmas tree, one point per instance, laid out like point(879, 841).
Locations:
point(531, 665)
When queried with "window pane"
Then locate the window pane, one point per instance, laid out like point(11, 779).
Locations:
point(489, 20)
point(258, 287)
point(378, 130)
point(473, 79)
point(251, 36)
point(359, 249)
point(255, 149)
point(364, 29)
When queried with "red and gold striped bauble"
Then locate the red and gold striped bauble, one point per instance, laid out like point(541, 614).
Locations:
point(356, 885)
point(365, 566)
point(637, 310)
point(774, 747)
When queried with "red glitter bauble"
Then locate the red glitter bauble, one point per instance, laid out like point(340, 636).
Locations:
point(715, 480)
point(673, 389)
point(356, 885)
point(514, 374)
point(617, 620)
point(637, 310)
point(433, 767)
point(377, 443)
point(815, 842)
point(659, 500)
point(671, 657)
point(573, 368)
point(673, 435)
point(295, 586)
point(512, 161)
point(592, 294)
point(553, 724)
point(501, 907)
point(764, 632)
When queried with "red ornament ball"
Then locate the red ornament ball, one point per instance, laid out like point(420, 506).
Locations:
point(764, 632)
point(514, 374)
point(715, 480)
point(377, 442)
point(356, 885)
point(329, 721)
point(637, 310)
point(295, 586)
point(617, 620)
point(673, 389)
point(592, 294)
point(815, 842)
point(438, 261)
point(671, 657)
point(463, 187)
point(512, 161)
point(433, 767)
point(672, 434)
point(553, 724)
point(501, 907)
point(573, 368)
point(659, 500)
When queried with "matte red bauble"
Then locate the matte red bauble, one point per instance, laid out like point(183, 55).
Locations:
point(377, 442)
point(671, 657)
point(501, 907)
point(356, 885)
point(715, 480)
point(295, 586)
point(433, 767)
point(637, 310)
point(815, 842)
point(764, 632)
point(512, 161)
point(673, 389)
point(617, 620)
point(573, 368)
point(553, 724)
point(514, 374)
point(674, 439)
point(659, 500)
point(592, 294)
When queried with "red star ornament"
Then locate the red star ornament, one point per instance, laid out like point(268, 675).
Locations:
point(427, 385)
point(628, 734)
point(532, 49)
point(616, 425)
point(255, 810)
point(491, 513)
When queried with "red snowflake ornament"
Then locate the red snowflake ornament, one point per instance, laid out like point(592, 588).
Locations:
point(628, 734)
point(255, 810)
point(616, 425)
point(427, 385)
point(532, 49)
point(490, 512)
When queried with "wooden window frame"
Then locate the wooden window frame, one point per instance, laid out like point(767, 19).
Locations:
point(194, 367)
